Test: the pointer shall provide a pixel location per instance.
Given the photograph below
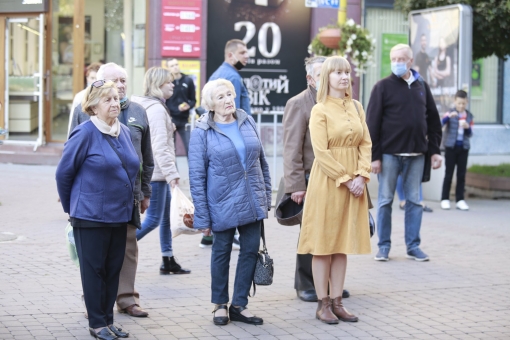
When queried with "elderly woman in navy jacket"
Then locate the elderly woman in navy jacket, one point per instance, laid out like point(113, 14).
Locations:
point(95, 180)
point(231, 188)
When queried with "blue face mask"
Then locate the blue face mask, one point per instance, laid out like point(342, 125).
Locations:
point(317, 85)
point(399, 69)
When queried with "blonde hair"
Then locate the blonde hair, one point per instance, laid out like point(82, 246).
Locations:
point(94, 94)
point(332, 64)
point(154, 78)
point(208, 92)
point(402, 47)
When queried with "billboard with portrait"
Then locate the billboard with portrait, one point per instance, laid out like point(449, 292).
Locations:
point(441, 42)
point(277, 34)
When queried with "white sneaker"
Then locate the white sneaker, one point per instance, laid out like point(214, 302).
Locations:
point(445, 204)
point(462, 205)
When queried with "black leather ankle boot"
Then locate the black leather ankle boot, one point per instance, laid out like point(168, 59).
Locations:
point(170, 266)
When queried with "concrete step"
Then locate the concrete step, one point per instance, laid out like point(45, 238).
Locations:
point(49, 154)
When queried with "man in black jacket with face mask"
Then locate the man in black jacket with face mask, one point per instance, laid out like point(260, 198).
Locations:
point(183, 100)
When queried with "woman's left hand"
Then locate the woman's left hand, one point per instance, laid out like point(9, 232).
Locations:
point(358, 186)
point(174, 183)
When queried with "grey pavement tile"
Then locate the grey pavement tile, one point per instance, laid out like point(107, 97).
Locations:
point(399, 299)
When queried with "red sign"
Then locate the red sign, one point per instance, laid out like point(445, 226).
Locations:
point(181, 26)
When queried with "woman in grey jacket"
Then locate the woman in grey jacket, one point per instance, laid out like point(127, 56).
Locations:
point(158, 87)
point(231, 188)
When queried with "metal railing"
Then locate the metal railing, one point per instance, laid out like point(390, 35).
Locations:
point(275, 175)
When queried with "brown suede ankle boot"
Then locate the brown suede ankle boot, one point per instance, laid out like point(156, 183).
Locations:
point(325, 311)
point(342, 313)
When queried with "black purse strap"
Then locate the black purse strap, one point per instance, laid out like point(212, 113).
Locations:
point(263, 235)
point(264, 250)
point(120, 157)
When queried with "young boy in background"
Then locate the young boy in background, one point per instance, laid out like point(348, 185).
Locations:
point(459, 123)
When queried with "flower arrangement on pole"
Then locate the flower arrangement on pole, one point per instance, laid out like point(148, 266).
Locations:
point(348, 40)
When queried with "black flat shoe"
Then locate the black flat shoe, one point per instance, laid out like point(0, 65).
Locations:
point(103, 334)
point(345, 294)
point(118, 332)
point(220, 320)
point(307, 295)
point(235, 315)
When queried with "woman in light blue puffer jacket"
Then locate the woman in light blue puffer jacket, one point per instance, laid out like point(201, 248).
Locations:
point(231, 188)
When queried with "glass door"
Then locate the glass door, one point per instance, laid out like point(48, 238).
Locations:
point(24, 92)
point(63, 41)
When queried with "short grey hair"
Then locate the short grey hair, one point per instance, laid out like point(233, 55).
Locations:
point(309, 62)
point(208, 92)
point(100, 72)
point(406, 47)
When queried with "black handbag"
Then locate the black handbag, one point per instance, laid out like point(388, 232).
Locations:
point(264, 269)
point(136, 220)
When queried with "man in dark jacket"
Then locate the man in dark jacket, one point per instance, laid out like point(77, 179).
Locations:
point(298, 159)
point(405, 128)
point(135, 118)
point(183, 100)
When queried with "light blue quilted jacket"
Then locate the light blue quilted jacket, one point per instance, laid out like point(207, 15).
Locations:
point(224, 194)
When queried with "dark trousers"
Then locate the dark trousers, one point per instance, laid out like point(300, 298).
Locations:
point(101, 254)
point(249, 241)
point(456, 156)
point(303, 279)
point(181, 130)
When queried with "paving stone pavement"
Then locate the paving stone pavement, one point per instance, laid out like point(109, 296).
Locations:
point(462, 293)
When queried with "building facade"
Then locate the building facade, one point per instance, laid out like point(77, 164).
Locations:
point(48, 44)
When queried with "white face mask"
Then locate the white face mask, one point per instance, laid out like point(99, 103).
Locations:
point(317, 85)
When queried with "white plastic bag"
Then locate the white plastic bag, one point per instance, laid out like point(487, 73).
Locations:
point(71, 245)
point(181, 209)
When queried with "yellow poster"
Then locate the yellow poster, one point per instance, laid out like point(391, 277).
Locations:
point(190, 68)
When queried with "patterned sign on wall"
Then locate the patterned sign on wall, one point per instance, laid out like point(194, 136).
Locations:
point(181, 29)
point(277, 34)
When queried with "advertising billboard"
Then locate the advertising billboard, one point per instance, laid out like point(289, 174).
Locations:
point(181, 31)
point(441, 40)
point(277, 34)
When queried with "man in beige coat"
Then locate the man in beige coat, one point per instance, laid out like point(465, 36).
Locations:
point(297, 162)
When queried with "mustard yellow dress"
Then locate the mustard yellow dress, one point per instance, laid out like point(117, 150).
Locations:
point(334, 221)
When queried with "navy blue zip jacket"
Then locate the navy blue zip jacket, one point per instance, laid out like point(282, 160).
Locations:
point(91, 183)
point(224, 194)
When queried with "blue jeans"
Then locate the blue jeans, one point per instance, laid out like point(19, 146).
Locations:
point(400, 190)
point(158, 214)
point(249, 239)
point(411, 169)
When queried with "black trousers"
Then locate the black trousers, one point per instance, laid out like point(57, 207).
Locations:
point(456, 156)
point(101, 254)
point(303, 280)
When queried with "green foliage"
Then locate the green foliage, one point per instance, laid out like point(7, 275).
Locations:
point(319, 48)
point(355, 43)
point(502, 170)
point(491, 23)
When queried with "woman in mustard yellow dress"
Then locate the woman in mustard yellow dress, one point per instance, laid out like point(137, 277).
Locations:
point(335, 217)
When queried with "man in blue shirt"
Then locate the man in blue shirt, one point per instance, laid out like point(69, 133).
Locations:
point(236, 57)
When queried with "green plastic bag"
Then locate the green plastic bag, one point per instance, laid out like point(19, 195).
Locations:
point(71, 245)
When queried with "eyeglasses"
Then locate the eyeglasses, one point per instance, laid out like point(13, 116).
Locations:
point(98, 83)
